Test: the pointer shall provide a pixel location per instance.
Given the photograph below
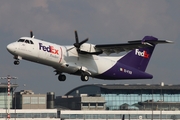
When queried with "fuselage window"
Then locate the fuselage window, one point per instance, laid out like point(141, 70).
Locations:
point(27, 41)
point(31, 42)
point(21, 40)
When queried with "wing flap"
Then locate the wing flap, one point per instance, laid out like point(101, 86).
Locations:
point(154, 42)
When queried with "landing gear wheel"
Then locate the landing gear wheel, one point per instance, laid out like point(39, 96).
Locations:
point(62, 77)
point(84, 77)
point(16, 62)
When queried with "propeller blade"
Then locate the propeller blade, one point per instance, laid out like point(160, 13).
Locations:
point(70, 49)
point(76, 37)
point(82, 42)
point(78, 44)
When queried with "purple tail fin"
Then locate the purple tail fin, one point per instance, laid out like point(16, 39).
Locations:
point(139, 58)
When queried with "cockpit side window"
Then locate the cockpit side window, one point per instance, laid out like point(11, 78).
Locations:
point(31, 42)
point(27, 41)
point(21, 40)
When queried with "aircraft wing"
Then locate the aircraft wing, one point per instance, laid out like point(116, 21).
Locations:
point(117, 48)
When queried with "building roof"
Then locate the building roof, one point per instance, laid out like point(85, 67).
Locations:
point(139, 86)
point(130, 87)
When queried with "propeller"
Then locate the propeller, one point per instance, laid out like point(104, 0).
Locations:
point(31, 34)
point(78, 44)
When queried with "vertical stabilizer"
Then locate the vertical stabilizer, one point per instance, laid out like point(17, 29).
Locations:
point(139, 58)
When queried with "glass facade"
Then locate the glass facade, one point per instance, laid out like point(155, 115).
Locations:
point(4, 98)
point(141, 99)
point(29, 115)
point(119, 116)
point(134, 97)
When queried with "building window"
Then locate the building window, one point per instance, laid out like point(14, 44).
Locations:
point(52, 115)
point(34, 100)
point(20, 115)
point(65, 116)
point(26, 100)
point(85, 104)
point(35, 115)
point(42, 100)
point(27, 115)
point(44, 115)
point(92, 104)
point(100, 104)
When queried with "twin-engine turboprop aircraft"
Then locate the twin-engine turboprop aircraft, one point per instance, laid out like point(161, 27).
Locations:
point(83, 58)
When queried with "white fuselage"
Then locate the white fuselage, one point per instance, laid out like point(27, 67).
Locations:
point(65, 59)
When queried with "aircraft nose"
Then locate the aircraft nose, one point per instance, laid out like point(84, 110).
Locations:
point(10, 47)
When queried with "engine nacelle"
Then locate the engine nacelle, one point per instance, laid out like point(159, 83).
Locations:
point(89, 48)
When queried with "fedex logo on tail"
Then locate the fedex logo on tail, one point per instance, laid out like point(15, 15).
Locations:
point(49, 48)
point(142, 54)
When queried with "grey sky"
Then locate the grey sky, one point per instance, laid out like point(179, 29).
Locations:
point(102, 21)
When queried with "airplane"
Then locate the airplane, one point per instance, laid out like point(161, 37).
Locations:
point(85, 59)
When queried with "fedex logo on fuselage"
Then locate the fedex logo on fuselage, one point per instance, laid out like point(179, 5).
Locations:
point(142, 54)
point(49, 48)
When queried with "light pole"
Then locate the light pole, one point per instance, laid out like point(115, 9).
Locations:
point(15, 101)
point(162, 84)
point(8, 92)
point(152, 103)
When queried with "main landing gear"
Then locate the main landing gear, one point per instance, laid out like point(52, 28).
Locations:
point(62, 77)
point(84, 77)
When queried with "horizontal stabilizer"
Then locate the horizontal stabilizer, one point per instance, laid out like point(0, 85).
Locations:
point(151, 40)
point(154, 42)
point(147, 41)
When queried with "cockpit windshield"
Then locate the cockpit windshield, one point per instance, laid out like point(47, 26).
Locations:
point(25, 41)
point(21, 40)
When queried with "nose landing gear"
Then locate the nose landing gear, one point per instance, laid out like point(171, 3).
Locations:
point(61, 77)
point(17, 58)
point(16, 62)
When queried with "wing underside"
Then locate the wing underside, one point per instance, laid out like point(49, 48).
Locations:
point(117, 48)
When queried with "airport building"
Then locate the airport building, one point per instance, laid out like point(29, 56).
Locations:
point(136, 101)
point(131, 97)
point(96, 101)
point(26, 99)
point(4, 96)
